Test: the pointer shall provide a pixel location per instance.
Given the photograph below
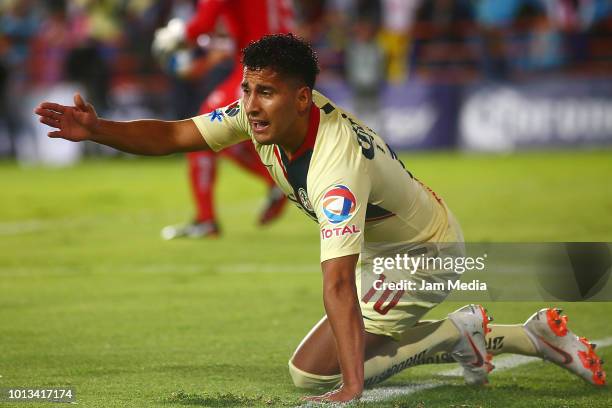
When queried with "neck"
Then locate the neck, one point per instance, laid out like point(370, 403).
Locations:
point(296, 134)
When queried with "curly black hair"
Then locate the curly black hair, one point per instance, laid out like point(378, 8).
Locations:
point(286, 54)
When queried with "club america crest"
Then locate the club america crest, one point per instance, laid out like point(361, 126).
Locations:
point(304, 200)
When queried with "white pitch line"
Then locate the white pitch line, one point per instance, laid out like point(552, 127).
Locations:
point(267, 267)
point(23, 227)
point(508, 362)
point(34, 224)
point(501, 364)
point(384, 393)
point(505, 363)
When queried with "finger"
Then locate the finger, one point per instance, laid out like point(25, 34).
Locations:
point(79, 102)
point(314, 398)
point(55, 134)
point(50, 122)
point(48, 114)
point(52, 106)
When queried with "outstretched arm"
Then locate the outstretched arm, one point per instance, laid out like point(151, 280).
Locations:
point(147, 137)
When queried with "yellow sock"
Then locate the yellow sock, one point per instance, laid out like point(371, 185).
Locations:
point(426, 343)
point(509, 338)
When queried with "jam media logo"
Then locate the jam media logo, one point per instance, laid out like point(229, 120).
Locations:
point(339, 204)
point(233, 109)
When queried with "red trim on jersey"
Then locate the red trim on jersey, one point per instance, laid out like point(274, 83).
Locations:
point(311, 135)
point(280, 161)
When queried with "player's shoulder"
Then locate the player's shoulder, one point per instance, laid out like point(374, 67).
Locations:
point(339, 132)
point(330, 112)
point(223, 126)
point(337, 154)
point(334, 124)
point(231, 112)
point(234, 114)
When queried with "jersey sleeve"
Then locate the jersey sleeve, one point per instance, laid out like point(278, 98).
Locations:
point(340, 201)
point(223, 127)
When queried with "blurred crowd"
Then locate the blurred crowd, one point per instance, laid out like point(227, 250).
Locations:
point(51, 48)
point(464, 40)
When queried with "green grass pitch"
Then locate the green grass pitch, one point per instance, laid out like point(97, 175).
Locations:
point(91, 297)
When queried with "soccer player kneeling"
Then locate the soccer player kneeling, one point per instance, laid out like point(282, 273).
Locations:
point(343, 176)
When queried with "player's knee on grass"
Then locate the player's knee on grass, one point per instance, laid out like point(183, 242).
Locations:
point(303, 379)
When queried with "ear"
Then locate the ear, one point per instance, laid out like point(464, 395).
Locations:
point(304, 99)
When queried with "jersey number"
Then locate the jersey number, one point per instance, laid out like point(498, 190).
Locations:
point(384, 297)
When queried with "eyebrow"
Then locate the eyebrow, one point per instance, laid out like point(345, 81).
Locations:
point(245, 85)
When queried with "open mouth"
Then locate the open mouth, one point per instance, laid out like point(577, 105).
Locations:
point(259, 125)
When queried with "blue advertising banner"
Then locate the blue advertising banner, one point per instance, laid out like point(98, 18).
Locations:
point(560, 112)
point(411, 116)
point(420, 116)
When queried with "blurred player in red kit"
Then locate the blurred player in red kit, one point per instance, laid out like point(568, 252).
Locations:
point(245, 21)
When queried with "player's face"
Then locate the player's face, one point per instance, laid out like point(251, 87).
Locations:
point(273, 106)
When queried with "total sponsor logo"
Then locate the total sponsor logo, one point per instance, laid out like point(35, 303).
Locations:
point(339, 204)
point(327, 233)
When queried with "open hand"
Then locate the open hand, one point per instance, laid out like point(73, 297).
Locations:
point(74, 123)
point(342, 394)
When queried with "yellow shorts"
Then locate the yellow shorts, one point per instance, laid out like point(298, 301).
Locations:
point(391, 312)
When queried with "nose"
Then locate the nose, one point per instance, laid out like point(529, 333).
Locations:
point(251, 107)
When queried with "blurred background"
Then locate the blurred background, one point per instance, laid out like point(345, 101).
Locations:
point(479, 75)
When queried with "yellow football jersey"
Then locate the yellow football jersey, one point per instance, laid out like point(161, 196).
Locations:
point(345, 177)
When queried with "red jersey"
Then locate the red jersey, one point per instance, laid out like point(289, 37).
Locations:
point(246, 20)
